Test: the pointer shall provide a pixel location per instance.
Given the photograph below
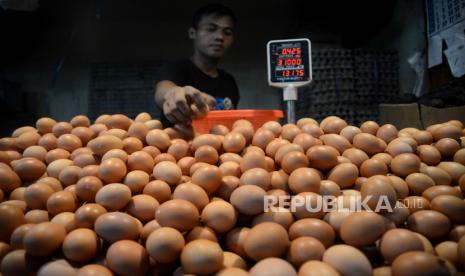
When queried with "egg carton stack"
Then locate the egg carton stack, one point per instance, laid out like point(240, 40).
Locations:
point(122, 88)
point(376, 80)
point(349, 84)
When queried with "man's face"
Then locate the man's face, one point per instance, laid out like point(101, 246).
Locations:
point(213, 36)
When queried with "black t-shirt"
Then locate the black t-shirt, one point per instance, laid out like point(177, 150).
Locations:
point(184, 72)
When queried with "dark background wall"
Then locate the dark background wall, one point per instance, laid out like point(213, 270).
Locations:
point(47, 56)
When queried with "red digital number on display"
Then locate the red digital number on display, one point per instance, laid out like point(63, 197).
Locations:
point(293, 73)
point(290, 51)
point(293, 61)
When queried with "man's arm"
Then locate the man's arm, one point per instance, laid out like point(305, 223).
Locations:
point(176, 101)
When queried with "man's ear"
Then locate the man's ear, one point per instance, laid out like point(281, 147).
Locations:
point(191, 33)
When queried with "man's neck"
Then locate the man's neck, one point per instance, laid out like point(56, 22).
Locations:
point(207, 65)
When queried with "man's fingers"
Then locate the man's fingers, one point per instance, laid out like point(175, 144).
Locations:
point(211, 102)
point(181, 104)
point(180, 117)
point(196, 97)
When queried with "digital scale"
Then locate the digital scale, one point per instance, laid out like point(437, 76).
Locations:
point(289, 67)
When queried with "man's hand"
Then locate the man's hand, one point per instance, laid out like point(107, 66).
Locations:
point(181, 104)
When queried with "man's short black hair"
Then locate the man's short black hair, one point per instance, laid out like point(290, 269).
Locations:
point(216, 9)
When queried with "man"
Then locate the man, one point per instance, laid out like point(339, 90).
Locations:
point(195, 85)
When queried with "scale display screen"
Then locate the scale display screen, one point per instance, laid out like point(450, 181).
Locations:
point(289, 61)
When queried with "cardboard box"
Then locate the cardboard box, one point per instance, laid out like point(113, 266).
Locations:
point(400, 115)
point(432, 115)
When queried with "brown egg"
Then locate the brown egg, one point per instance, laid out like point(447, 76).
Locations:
point(185, 164)
point(61, 128)
point(89, 170)
point(336, 141)
point(136, 181)
point(168, 172)
point(138, 130)
point(206, 154)
point(435, 191)
point(112, 170)
point(80, 245)
point(447, 147)
point(349, 132)
point(387, 132)
point(248, 199)
point(232, 260)
point(311, 208)
point(87, 187)
point(37, 152)
point(398, 241)
point(431, 224)
point(202, 257)
point(423, 137)
point(105, 143)
point(132, 144)
point(85, 159)
point(87, 214)
point(69, 175)
point(44, 238)
point(16, 239)
point(142, 207)
point(405, 164)
point(332, 124)
point(69, 142)
point(153, 124)
point(56, 154)
point(362, 228)
point(446, 131)
point(322, 157)
point(36, 195)
point(347, 260)
point(177, 213)
point(273, 126)
point(267, 239)
point(113, 196)
point(228, 184)
point(56, 267)
point(37, 216)
point(235, 240)
point(416, 203)
point(369, 127)
point(279, 180)
point(230, 168)
point(294, 160)
point(192, 193)
point(9, 180)
point(459, 156)
point(141, 160)
point(10, 218)
point(315, 268)
point(304, 249)
point(127, 258)
point(398, 146)
point(278, 215)
point(115, 226)
point(62, 201)
point(165, 244)
point(381, 193)
point(84, 134)
point(199, 232)
point(94, 269)
point(274, 145)
point(454, 169)
point(262, 138)
point(253, 159)
point(289, 131)
point(45, 125)
point(329, 188)
point(179, 149)
point(219, 130)
point(418, 183)
point(272, 266)
point(305, 140)
point(367, 142)
point(158, 189)
point(313, 130)
point(372, 167)
point(18, 262)
point(27, 139)
point(344, 175)
point(440, 176)
point(356, 156)
point(256, 176)
point(207, 177)
point(419, 263)
point(448, 250)
point(429, 154)
point(29, 168)
point(312, 227)
point(219, 215)
point(451, 206)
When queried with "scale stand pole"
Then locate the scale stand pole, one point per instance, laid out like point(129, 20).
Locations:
point(290, 96)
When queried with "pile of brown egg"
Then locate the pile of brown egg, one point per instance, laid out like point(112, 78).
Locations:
point(127, 197)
